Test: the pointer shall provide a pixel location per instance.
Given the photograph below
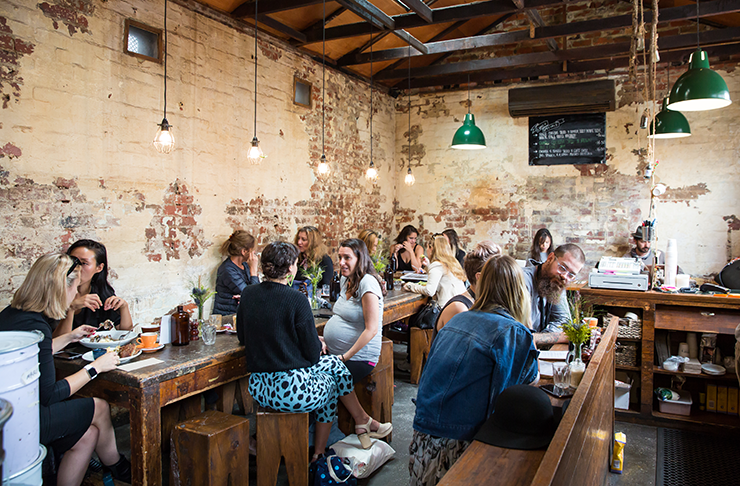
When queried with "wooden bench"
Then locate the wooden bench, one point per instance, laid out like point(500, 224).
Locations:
point(282, 435)
point(375, 392)
point(419, 344)
point(211, 449)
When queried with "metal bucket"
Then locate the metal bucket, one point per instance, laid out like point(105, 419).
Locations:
point(32, 475)
point(6, 410)
point(19, 384)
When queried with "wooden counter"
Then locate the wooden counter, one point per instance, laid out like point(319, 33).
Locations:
point(579, 451)
point(673, 312)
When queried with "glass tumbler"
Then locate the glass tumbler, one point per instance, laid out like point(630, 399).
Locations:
point(209, 333)
point(561, 376)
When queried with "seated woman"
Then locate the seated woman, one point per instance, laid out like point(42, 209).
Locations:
point(353, 332)
point(454, 241)
point(474, 262)
point(275, 324)
point(236, 272)
point(370, 238)
point(96, 301)
point(477, 355)
point(446, 276)
point(542, 246)
point(76, 427)
point(311, 245)
point(408, 254)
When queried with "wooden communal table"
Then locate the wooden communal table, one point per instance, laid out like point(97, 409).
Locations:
point(579, 451)
point(185, 372)
point(672, 312)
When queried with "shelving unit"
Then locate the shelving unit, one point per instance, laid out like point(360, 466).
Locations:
point(672, 312)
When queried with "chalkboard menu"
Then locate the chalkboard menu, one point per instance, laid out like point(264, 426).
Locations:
point(567, 139)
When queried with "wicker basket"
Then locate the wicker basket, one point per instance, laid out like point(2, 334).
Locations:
point(629, 328)
point(626, 354)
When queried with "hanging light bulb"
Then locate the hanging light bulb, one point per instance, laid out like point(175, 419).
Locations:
point(164, 140)
point(323, 168)
point(255, 154)
point(371, 174)
point(410, 179)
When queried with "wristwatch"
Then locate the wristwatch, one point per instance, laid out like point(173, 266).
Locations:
point(91, 371)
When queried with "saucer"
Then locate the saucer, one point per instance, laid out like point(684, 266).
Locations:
point(153, 350)
point(713, 369)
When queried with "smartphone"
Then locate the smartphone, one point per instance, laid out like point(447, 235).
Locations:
point(67, 355)
point(550, 389)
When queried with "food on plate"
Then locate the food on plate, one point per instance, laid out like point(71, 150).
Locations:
point(107, 325)
point(127, 350)
point(103, 339)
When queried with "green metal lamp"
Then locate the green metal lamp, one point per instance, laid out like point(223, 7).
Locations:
point(469, 136)
point(669, 124)
point(699, 88)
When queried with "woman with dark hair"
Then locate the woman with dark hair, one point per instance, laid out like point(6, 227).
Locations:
point(310, 243)
point(236, 272)
point(542, 246)
point(475, 357)
point(96, 300)
point(473, 266)
point(409, 254)
point(454, 240)
point(353, 332)
point(283, 351)
point(72, 427)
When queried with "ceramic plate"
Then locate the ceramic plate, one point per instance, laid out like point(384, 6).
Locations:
point(154, 349)
point(116, 336)
point(713, 369)
point(89, 357)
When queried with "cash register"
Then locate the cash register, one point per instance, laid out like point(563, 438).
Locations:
point(618, 274)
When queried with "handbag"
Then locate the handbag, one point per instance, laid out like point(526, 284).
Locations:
point(427, 316)
point(330, 469)
point(364, 462)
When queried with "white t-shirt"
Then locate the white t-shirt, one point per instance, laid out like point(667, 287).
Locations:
point(348, 322)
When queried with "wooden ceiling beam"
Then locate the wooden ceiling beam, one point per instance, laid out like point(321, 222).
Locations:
point(421, 9)
point(688, 12)
point(442, 15)
point(369, 12)
point(551, 69)
point(246, 9)
point(620, 49)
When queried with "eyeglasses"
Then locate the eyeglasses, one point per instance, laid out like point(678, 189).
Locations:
point(75, 263)
point(565, 271)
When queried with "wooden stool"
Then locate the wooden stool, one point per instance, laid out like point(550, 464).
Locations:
point(236, 390)
point(211, 449)
point(284, 435)
point(420, 342)
point(375, 393)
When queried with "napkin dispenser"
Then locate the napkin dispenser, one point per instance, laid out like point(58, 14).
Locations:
point(165, 330)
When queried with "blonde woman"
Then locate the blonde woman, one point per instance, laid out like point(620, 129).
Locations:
point(446, 276)
point(310, 243)
point(236, 272)
point(76, 427)
point(475, 357)
point(371, 239)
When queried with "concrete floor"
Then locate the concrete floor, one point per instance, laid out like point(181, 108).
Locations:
point(640, 451)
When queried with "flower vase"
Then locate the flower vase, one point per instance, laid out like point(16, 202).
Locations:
point(314, 300)
point(577, 367)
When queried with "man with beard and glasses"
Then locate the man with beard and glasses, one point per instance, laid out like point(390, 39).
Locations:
point(546, 284)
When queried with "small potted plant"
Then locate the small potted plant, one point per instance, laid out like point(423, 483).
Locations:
point(578, 333)
point(200, 295)
point(313, 273)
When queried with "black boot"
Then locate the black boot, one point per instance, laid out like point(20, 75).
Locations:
point(121, 471)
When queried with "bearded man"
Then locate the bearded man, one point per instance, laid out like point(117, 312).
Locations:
point(546, 284)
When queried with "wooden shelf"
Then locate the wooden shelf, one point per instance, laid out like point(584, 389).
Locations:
point(726, 377)
point(702, 418)
point(627, 368)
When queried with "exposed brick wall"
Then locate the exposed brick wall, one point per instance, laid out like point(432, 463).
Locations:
point(72, 13)
point(12, 49)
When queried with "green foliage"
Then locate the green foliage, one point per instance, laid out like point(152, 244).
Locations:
point(200, 295)
point(380, 260)
point(313, 273)
point(577, 332)
point(580, 308)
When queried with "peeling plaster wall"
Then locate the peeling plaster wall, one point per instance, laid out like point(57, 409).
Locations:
point(76, 161)
point(494, 193)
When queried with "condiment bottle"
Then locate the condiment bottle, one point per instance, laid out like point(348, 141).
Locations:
point(388, 277)
point(181, 331)
point(336, 287)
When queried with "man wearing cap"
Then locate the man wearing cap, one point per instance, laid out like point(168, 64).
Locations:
point(643, 252)
point(546, 284)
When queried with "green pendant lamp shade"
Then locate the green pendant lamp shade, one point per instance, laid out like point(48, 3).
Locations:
point(468, 136)
point(670, 124)
point(699, 88)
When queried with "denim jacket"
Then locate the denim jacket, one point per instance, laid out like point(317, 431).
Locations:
point(473, 359)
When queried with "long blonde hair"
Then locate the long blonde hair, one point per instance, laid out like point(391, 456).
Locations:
point(371, 239)
point(442, 253)
point(501, 285)
point(316, 247)
point(45, 288)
